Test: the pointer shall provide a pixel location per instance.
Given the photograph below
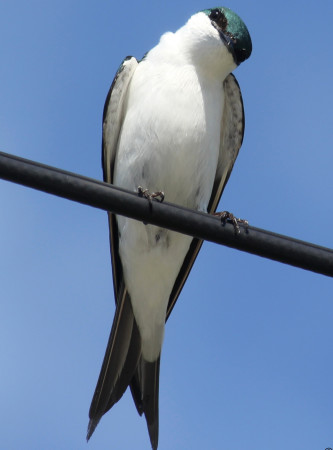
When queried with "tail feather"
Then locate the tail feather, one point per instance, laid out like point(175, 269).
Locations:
point(124, 366)
point(150, 372)
point(136, 390)
point(119, 364)
point(129, 368)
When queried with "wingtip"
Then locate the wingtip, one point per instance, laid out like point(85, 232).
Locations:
point(150, 385)
point(91, 427)
point(153, 435)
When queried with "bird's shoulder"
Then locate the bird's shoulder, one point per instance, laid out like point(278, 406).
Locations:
point(113, 113)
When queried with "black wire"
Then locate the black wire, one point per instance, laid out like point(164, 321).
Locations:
point(204, 226)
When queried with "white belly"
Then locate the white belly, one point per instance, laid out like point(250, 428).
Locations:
point(169, 142)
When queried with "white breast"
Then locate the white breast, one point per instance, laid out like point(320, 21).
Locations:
point(170, 142)
point(172, 135)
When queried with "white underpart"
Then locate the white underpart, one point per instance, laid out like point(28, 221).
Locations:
point(169, 141)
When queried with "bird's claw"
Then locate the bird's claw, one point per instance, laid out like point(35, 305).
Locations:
point(159, 195)
point(226, 215)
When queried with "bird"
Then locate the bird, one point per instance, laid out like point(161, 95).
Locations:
point(173, 124)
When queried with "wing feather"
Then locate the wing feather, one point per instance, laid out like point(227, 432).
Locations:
point(124, 346)
point(232, 132)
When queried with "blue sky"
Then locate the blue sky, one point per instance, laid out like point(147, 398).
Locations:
point(247, 358)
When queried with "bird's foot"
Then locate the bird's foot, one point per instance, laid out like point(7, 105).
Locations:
point(228, 216)
point(159, 195)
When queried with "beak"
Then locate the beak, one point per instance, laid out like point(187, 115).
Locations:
point(228, 42)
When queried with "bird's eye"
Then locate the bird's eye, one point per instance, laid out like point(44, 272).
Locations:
point(219, 18)
point(215, 14)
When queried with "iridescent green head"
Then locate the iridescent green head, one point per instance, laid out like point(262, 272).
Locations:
point(233, 32)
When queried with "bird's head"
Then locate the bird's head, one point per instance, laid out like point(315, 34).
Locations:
point(217, 34)
point(232, 31)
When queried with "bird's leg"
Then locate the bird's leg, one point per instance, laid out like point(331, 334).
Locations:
point(159, 195)
point(226, 215)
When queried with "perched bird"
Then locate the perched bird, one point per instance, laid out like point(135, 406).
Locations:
point(173, 122)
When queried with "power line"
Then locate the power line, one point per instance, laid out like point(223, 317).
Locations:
point(204, 226)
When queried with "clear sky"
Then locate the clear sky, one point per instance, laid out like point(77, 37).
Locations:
point(247, 359)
